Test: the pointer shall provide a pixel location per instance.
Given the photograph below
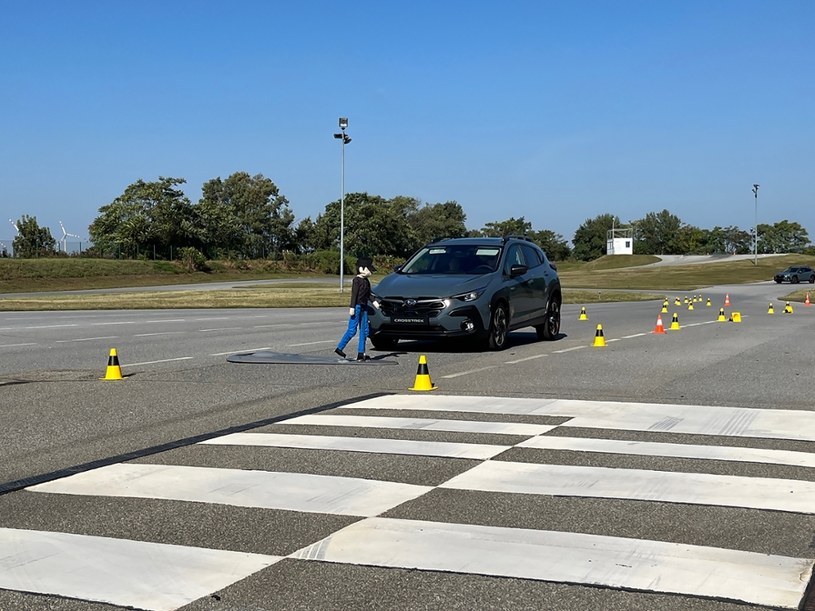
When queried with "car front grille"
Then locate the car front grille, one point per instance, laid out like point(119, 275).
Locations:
point(425, 306)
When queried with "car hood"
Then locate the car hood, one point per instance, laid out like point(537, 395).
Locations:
point(427, 285)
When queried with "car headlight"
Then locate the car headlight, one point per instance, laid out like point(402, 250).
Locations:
point(469, 295)
point(375, 301)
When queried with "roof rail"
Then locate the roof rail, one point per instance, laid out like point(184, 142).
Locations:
point(518, 237)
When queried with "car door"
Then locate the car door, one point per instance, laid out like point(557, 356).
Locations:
point(520, 288)
point(541, 277)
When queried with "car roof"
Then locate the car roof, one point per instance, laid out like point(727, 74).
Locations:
point(480, 241)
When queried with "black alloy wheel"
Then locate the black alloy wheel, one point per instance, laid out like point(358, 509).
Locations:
point(499, 323)
point(551, 328)
point(794, 280)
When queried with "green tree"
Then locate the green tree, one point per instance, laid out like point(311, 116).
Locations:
point(372, 226)
point(149, 217)
point(32, 240)
point(782, 237)
point(245, 214)
point(435, 221)
point(553, 244)
point(510, 226)
point(658, 234)
point(590, 239)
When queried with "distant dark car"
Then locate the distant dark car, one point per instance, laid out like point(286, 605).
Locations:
point(795, 275)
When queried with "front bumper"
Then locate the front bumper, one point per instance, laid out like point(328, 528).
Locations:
point(458, 322)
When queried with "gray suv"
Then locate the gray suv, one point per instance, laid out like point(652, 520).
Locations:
point(481, 288)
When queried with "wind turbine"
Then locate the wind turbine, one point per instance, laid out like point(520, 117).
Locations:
point(65, 236)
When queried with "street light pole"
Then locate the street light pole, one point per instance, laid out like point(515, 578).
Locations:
point(755, 228)
point(345, 140)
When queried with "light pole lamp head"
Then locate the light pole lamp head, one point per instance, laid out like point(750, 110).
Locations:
point(343, 122)
point(755, 189)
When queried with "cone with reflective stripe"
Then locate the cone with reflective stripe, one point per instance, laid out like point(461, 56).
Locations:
point(690, 305)
point(788, 308)
point(583, 315)
point(114, 371)
point(727, 299)
point(770, 310)
point(677, 302)
point(599, 338)
point(659, 328)
point(708, 304)
point(807, 302)
point(675, 322)
point(664, 307)
point(422, 381)
point(722, 317)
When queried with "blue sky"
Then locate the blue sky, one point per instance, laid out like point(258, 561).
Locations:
point(554, 111)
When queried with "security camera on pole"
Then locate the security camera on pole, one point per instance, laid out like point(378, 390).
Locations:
point(345, 140)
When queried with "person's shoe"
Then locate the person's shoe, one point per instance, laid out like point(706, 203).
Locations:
point(339, 352)
point(363, 357)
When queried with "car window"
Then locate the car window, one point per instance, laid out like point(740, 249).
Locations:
point(514, 257)
point(531, 255)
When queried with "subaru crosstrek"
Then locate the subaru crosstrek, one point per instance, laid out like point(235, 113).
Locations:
point(481, 288)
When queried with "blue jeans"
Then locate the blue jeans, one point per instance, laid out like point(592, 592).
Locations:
point(359, 319)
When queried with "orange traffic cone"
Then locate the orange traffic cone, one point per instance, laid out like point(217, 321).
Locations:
point(113, 371)
point(659, 328)
point(806, 301)
point(727, 299)
point(422, 381)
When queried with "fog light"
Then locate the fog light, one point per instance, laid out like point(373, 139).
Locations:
point(468, 326)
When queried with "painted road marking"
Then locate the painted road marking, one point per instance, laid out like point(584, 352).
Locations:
point(656, 566)
point(84, 339)
point(324, 341)
point(640, 485)
point(362, 444)
point(423, 424)
point(180, 358)
point(265, 489)
point(647, 448)
point(132, 574)
point(466, 373)
point(650, 417)
point(528, 358)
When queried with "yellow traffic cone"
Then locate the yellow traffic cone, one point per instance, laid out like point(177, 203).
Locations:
point(113, 371)
point(422, 381)
point(770, 309)
point(721, 316)
point(676, 301)
point(788, 308)
point(708, 304)
point(690, 305)
point(735, 317)
point(686, 299)
point(675, 322)
point(583, 315)
point(599, 338)
point(664, 307)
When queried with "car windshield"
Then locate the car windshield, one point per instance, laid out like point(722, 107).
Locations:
point(459, 259)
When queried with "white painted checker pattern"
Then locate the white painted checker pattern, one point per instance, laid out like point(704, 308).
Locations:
point(268, 490)
point(637, 564)
point(361, 444)
point(641, 485)
point(139, 574)
point(673, 450)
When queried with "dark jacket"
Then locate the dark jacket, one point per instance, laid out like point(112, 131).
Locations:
point(360, 291)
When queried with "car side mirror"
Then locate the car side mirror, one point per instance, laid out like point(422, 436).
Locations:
point(397, 268)
point(517, 270)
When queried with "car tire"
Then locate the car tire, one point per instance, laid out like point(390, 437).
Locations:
point(778, 281)
point(812, 279)
point(499, 327)
point(551, 328)
point(384, 343)
point(794, 279)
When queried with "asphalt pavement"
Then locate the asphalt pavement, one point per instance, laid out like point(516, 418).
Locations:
point(179, 391)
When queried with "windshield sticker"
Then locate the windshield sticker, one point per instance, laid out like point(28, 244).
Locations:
point(491, 252)
point(438, 251)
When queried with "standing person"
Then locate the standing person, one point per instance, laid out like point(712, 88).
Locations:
point(358, 311)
